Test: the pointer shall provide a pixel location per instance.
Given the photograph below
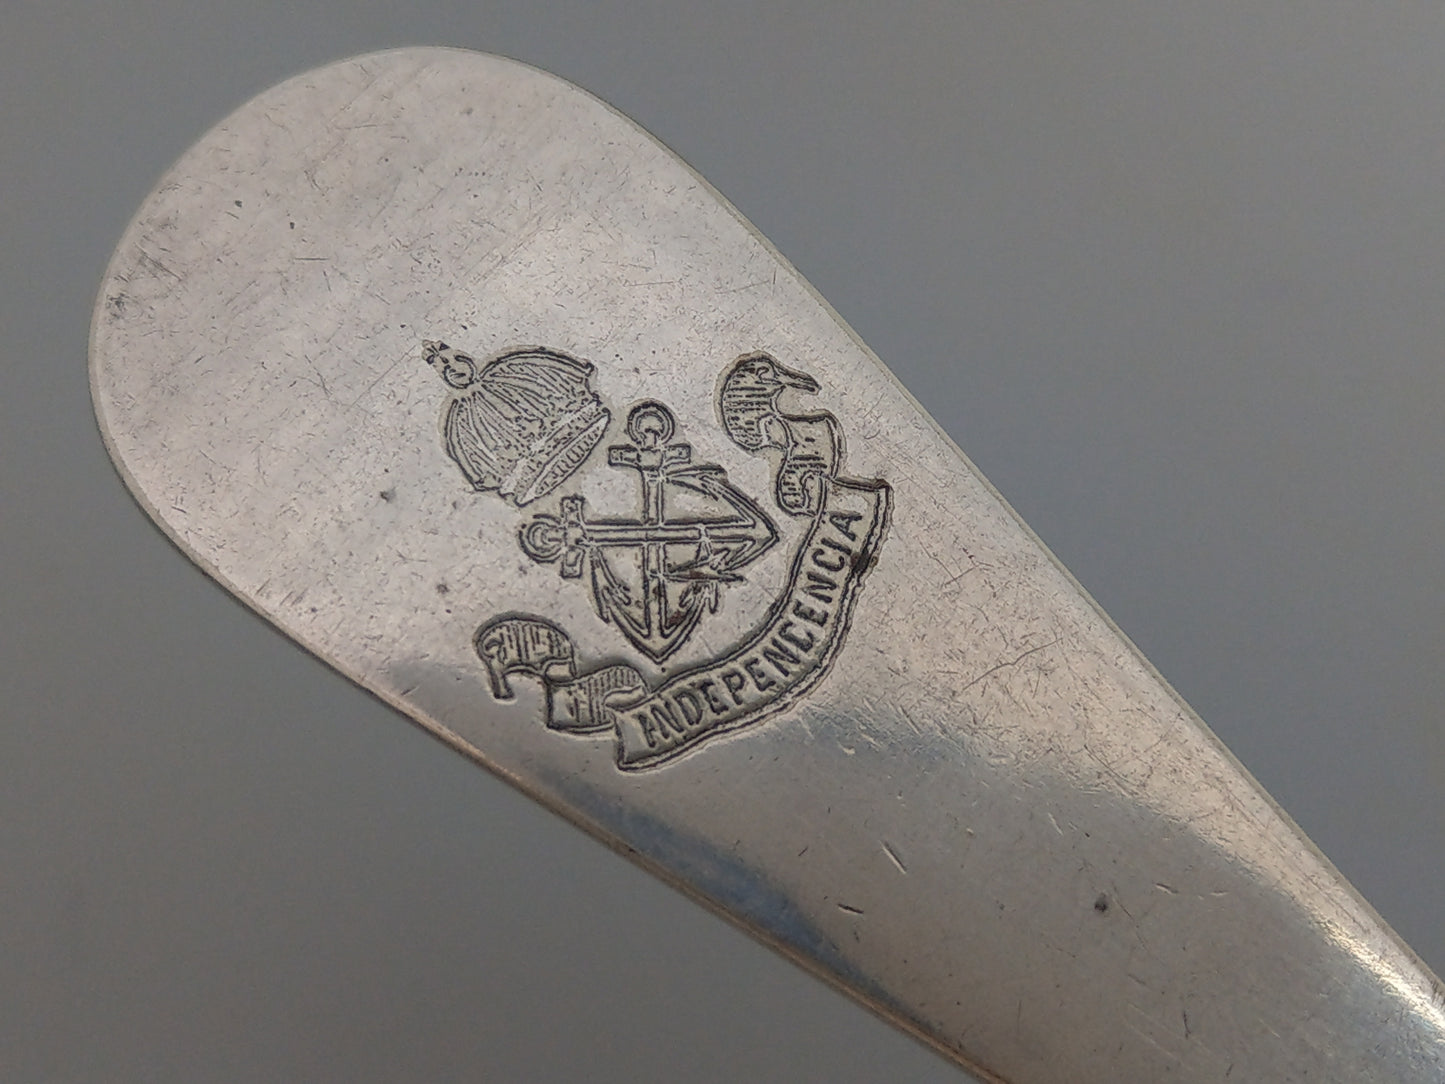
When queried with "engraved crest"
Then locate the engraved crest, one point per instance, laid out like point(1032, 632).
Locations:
point(529, 420)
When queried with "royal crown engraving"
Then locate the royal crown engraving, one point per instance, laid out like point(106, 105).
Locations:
point(521, 424)
point(529, 420)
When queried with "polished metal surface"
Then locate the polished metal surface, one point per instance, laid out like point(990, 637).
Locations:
point(667, 547)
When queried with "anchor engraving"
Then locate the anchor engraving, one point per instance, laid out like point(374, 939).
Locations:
point(655, 576)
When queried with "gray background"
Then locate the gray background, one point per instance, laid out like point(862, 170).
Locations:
point(1170, 273)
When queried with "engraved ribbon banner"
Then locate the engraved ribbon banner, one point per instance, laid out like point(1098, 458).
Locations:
point(788, 653)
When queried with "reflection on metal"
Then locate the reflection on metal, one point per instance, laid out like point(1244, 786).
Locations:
point(979, 810)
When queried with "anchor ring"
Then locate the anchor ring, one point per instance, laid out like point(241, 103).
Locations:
point(650, 424)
